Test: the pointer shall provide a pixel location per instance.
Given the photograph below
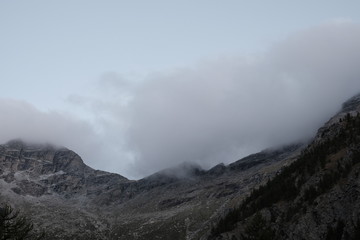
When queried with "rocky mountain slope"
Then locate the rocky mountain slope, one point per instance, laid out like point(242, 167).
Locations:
point(69, 199)
point(73, 201)
point(315, 197)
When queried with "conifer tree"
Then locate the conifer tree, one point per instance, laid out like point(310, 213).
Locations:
point(257, 229)
point(15, 227)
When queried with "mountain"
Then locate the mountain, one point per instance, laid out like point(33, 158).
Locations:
point(315, 197)
point(58, 191)
point(287, 190)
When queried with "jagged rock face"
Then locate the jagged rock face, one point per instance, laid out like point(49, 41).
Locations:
point(44, 170)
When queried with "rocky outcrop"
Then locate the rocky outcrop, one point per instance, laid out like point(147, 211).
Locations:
point(38, 170)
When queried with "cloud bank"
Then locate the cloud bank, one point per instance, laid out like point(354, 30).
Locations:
point(221, 110)
point(215, 111)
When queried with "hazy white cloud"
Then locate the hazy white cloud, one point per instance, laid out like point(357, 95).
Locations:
point(21, 120)
point(216, 111)
point(220, 110)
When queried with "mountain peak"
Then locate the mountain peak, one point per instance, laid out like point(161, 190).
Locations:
point(353, 104)
point(21, 144)
point(16, 144)
point(183, 170)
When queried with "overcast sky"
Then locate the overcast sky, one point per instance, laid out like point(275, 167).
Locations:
point(137, 86)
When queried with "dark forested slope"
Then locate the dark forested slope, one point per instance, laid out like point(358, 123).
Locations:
point(315, 197)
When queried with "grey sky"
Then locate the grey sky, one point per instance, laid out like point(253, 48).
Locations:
point(131, 85)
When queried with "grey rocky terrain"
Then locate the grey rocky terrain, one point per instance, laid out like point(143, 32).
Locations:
point(68, 198)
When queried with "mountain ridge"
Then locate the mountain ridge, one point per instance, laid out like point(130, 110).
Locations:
point(58, 191)
point(315, 197)
point(25, 181)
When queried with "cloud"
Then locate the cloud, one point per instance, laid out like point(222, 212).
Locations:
point(21, 120)
point(218, 111)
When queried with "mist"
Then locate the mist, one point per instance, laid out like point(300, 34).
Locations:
point(224, 109)
point(215, 111)
point(21, 120)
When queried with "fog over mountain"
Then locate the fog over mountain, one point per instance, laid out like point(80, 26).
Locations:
point(215, 111)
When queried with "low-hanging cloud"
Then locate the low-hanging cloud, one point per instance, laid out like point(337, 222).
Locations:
point(220, 110)
point(216, 111)
point(21, 120)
